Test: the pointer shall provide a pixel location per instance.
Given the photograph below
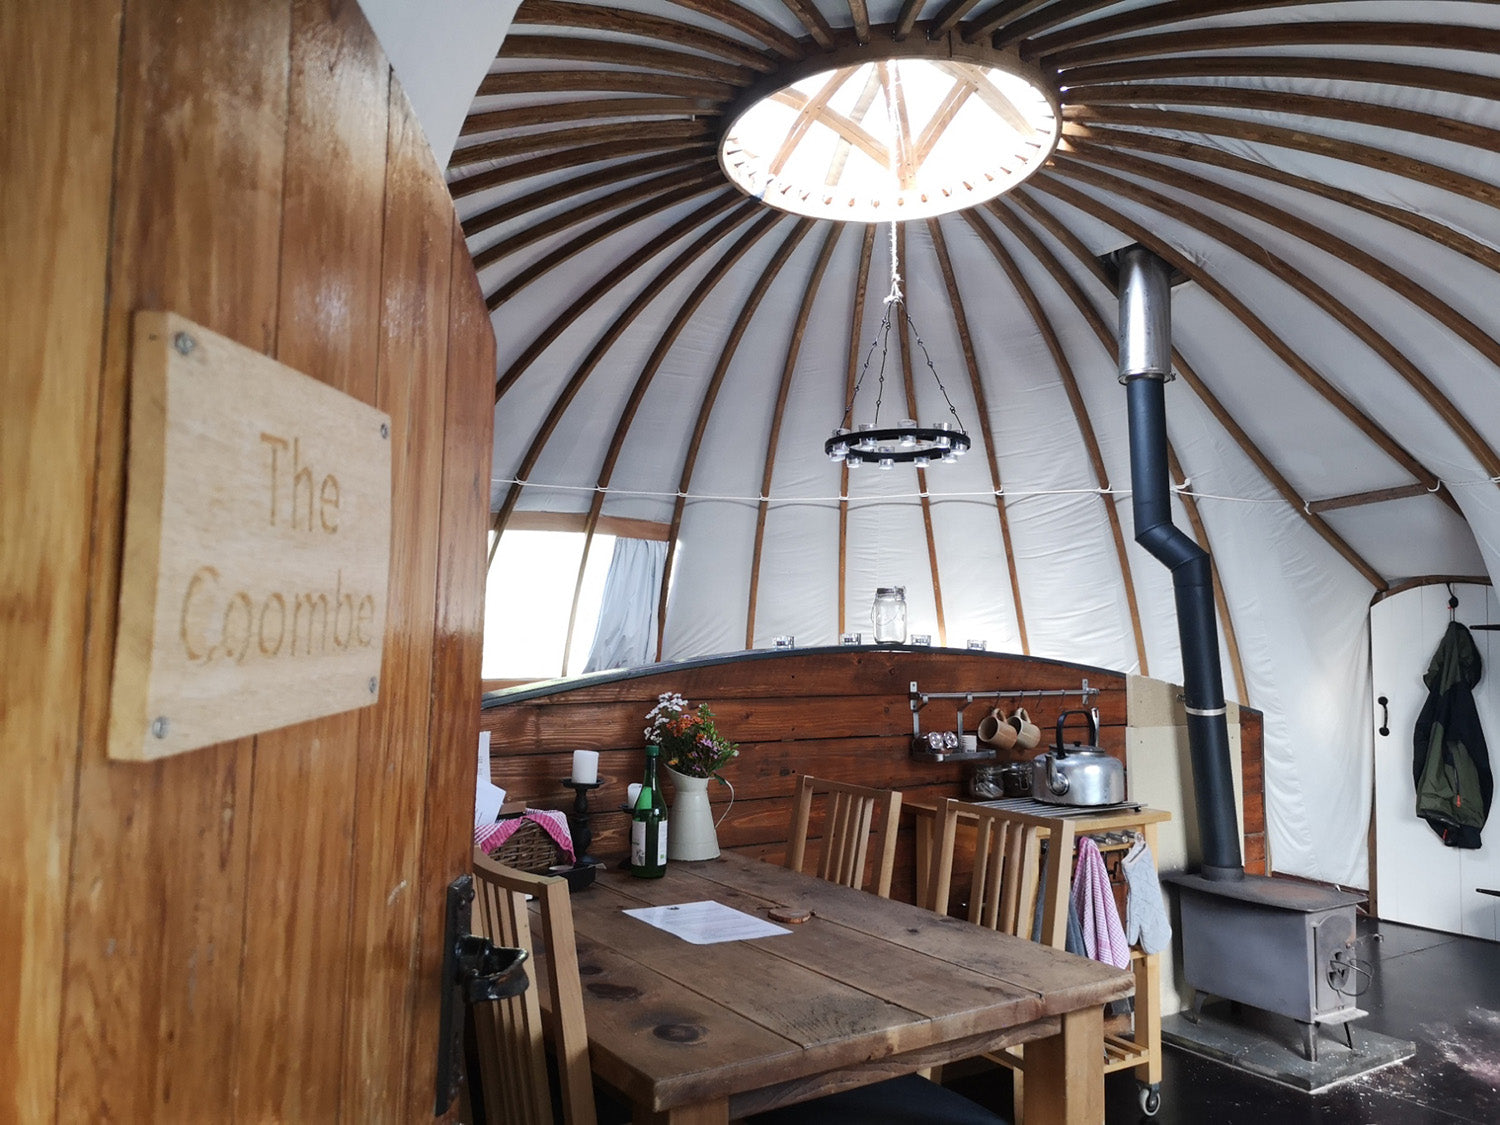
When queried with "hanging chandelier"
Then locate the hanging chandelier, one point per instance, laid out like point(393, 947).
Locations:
point(906, 442)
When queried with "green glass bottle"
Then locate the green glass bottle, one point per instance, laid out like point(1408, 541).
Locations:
point(648, 824)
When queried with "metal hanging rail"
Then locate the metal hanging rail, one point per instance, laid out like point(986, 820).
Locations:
point(919, 699)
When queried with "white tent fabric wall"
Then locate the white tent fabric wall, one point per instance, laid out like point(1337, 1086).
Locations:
point(1324, 174)
point(626, 634)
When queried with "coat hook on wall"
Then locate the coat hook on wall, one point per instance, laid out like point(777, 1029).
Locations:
point(1452, 600)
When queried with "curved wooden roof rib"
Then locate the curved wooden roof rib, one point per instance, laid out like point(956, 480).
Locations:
point(1314, 235)
point(1252, 451)
point(1262, 331)
point(1376, 341)
point(788, 369)
point(649, 293)
point(903, 339)
point(818, 28)
point(1069, 382)
point(710, 396)
point(1022, 26)
point(621, 21)
point(508, 148)
point(851, 375)
point(512, 209)
point(603, 52)
point(859, 16)
point(1436, 232)
point(985, 22)
point(731, 14)
point(610, 278)
point(581, 157)
point(593, 80)
point(695, 298)
point(586, 109)
point(986, 430)
point(1127, 23)
point(1343, 33)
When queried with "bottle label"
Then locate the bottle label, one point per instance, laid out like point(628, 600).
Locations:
point(638, 856)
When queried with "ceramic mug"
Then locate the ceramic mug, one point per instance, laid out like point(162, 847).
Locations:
point(994, 730)
point(1028, 734)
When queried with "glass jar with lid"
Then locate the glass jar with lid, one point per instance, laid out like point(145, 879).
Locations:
point(888, 615)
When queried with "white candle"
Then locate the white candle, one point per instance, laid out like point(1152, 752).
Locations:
point(585, 767)
point(634, 790)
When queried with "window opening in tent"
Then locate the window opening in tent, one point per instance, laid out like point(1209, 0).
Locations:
point(528, 595)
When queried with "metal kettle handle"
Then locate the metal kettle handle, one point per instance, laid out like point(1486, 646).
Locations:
point(1062, 718)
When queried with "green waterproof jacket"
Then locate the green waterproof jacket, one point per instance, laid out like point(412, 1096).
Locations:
point(1450, 764)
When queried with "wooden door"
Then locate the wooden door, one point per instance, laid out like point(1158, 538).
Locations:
point(1415, 878)
point(250, 931)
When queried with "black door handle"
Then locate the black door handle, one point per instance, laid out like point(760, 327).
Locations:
point(1385, 717)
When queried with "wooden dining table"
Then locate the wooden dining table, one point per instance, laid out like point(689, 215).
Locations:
point(865, 989)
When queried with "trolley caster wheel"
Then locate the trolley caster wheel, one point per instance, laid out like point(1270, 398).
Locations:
point(1149, 1098)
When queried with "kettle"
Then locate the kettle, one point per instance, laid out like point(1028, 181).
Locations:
point(1078, 774)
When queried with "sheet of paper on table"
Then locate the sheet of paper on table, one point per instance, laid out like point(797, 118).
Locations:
point(704, 923)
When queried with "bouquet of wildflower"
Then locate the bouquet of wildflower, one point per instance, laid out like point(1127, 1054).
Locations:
point(690, 742)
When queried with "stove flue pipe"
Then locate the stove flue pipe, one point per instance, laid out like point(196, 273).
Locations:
point(1145, 351)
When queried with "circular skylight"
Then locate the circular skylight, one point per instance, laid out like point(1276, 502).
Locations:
point(901, 138)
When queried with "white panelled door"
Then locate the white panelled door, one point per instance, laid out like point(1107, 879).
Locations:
point(1416, 879)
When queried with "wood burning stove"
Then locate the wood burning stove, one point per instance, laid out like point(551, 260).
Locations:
point(1280, 946)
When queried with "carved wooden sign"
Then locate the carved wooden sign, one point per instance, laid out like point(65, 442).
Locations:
point(257, 546)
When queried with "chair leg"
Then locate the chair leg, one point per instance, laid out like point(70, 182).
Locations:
point(1018, 1098)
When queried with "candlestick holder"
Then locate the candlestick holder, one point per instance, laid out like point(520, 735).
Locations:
point(578, 820)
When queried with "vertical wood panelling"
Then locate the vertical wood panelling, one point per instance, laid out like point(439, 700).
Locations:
point(157, 896)
point(459, 613)
point(57, 95)
point(302, 797)
point(231, 934)
point(392, 777)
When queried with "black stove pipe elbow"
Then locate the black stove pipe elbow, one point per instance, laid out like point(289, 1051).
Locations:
point(1145, 365)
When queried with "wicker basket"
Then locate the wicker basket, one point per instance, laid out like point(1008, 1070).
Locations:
point(529, 849)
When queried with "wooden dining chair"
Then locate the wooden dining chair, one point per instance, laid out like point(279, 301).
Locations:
point(510, 1039)
point(852, 811)
point(1017, 887)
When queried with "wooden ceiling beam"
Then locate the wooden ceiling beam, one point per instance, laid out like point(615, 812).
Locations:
point(1069, 381)
point(1250, 448)
point(851, 375)
point(986, 430)
point(668, 184)
point(1286, 102)
point(705, 408)
point(951, 14)
point(737, 15)
point(1361, 499)
point(1367, 156)
point(613, 225)
point(1073, 167)
point(906, 18)
point(1026, 20)
point(529, 83)
point(778, 414)
point(1312, 68)
point(859, 15)
point(670, 148)
point(809, 17)
point(615, 22)
point(595, 355)
point(603, 52)
point(585, 109)
point(579, 136)
point(1341, 33)
point(1141, 19)
point(609, 278)
point(908, 382)
point(1431, 229)
point(682, 164)
point(685, 312)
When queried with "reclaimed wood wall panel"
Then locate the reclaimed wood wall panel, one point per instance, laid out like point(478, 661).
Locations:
point(242, 933)
point(53, 238)
point(841, 713)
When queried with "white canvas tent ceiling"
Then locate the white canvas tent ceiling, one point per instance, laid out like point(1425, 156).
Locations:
point(1323, 176)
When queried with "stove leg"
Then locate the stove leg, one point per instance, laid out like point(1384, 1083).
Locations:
point(1349, 1034)
point(1310, 1040)
point(1199, 999)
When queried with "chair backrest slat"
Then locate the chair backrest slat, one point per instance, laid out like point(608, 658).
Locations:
point(1009, 868)
point(511, 1037)
point(854, 816)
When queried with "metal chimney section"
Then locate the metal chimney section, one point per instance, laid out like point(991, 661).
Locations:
point(1145, 351)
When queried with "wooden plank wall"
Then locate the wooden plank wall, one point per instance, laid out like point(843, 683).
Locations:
point(837, 713)
point(248, 932)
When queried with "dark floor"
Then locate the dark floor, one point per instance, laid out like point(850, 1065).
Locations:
point(1440, 991)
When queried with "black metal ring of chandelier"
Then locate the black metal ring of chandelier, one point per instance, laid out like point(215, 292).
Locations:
point(892, 445)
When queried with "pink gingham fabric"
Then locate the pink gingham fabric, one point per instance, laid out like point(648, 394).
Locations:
point(1103, 935)
point(555, 824)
